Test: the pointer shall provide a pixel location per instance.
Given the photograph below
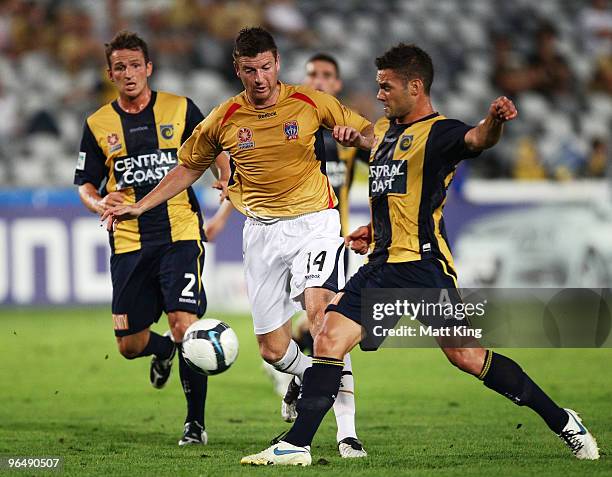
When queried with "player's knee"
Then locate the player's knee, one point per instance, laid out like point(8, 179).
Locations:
point(326, 345)
point(179, 324)
point(316, 313)
point(466, 359)
point(271, 354)
point(129, 349)
point(178, 329)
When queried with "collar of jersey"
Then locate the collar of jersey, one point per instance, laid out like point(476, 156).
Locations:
point(424, 118)
point(117, 108)
point(282, 95)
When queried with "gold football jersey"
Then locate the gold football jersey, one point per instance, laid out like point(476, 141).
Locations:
point(276, 171)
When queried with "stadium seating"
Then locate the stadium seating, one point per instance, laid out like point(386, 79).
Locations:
point(457, 34)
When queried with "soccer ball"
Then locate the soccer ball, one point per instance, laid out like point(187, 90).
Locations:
point(210, 346)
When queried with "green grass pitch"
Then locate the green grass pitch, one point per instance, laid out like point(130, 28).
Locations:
point(65, 391)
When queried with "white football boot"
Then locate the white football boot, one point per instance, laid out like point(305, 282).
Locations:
point(577, 437)
point(351, 448)
point(281, 453)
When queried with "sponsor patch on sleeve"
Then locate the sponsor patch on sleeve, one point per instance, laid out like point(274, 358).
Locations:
point(81, 161)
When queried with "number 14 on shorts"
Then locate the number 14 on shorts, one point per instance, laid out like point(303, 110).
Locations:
point(319, 261)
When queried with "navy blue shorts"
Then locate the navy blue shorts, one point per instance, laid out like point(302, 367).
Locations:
point(155, 279)
point(427, 273)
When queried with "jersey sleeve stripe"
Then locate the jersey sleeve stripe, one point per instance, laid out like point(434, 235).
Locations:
point(230, 111)
point(303, 97)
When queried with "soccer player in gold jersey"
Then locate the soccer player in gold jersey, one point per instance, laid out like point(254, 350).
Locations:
point(322, 73)
point(412, 164)
point(293, 251)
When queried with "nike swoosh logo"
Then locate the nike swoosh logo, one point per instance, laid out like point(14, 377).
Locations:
point(277, 451)
point(214, 338)
point(583, 430)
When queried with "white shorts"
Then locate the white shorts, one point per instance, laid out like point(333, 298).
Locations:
point(284, 258)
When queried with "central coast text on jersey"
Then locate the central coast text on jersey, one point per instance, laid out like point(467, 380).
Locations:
point(143, 169)
point(276, 166)
point(388, 178)
point(132, 153)
point(411, 167)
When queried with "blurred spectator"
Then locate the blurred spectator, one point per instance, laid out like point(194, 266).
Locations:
point(528, 164)
point(602, 78)
point(510, 73)
point(598, 160)
point(545, 70)
point(549, 71)
point(596, 23)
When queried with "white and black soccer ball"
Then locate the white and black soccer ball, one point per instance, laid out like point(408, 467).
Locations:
point(210, 346)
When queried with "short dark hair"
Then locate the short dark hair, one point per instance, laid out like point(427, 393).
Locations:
point(410, 61)
point(327, 58)
point(126, 40)
point(252, 41)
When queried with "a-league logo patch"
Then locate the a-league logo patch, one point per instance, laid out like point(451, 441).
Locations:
point(81, 161)
point(113, 142)
point(120, 322)
point(405, 142)
point(166, 130)
point(245, 138)
point(291, 130)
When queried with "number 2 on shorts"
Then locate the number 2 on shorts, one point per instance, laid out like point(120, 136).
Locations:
point(187, 291)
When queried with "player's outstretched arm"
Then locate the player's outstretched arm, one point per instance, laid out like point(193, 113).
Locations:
point(176, 181)
point(350, 137)
point(489, 130)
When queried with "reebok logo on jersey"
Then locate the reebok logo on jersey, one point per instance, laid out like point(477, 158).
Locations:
point(271, 114)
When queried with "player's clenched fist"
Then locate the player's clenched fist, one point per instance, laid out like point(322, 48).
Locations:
point(359, 240)
point(503, 109)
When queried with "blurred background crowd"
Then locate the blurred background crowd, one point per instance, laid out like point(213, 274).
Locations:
point(552, 57)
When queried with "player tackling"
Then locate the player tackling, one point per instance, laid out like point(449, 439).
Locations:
point(417, 150)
